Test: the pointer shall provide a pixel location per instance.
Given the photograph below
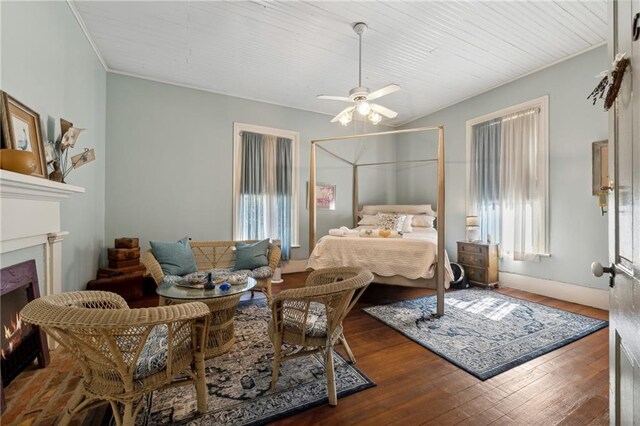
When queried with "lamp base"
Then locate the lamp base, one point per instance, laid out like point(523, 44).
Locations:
point(473, 234)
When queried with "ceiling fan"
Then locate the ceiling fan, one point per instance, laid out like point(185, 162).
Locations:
point(360, 96)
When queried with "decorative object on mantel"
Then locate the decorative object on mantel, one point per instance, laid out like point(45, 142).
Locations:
point(21, 131)
point(610, 82)
point(61, 166)
point(18, 161)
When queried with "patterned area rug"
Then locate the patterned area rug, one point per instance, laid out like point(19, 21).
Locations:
point(238, 382)
point(485, 332)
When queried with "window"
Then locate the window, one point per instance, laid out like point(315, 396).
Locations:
point(508, 178)
point(265, 185)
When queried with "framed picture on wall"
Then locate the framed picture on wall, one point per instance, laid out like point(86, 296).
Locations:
point(325, 196)
point(21, 130)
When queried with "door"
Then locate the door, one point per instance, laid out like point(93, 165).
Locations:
point(624, 222)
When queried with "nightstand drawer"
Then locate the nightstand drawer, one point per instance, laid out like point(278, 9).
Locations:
point(476, 274)
point(472, 259)
point(472, 248)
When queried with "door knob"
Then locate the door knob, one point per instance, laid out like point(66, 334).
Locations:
point(598, 270)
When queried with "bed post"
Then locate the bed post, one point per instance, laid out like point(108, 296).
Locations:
point(354, 193)
point(441, 212)
point(312, 199)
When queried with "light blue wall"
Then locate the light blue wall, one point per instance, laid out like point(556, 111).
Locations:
point(578, 231)
point(170, 161)
point(48, 64)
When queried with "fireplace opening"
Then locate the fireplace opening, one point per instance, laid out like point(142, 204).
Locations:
point(20, 342)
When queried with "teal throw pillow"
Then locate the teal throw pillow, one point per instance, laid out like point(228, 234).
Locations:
point(174, 258)
point(251, 256)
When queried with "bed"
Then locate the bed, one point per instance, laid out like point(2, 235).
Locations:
point(437, 270)
point(407, 261)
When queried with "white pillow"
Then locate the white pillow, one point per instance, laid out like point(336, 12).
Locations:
point(390, 221)
point(424, 220)
point(406, 226)
point(368, 219)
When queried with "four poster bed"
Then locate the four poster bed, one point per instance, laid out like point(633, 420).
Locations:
point(412, 260)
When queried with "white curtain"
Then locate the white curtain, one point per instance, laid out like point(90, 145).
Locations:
point(523, 182)
point(485, 178)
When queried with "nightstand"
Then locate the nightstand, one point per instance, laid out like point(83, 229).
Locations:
point(480, 262)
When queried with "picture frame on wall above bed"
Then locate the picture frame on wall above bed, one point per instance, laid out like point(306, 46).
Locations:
point(21, 130)
point(325, 196)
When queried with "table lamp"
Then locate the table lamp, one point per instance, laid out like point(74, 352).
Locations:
point(473, 228)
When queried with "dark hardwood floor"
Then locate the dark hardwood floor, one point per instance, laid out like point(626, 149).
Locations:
point(568, 386)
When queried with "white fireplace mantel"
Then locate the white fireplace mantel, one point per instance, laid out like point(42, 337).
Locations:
point(30, 216)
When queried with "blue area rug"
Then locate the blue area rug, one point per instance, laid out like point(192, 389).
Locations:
point(238, 382)
point(485, 332)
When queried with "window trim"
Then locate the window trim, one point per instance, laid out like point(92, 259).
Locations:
point(542, 103)
point(238, 128)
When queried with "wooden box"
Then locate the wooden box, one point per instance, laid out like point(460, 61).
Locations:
point(119, 264)
point(124, 253)
point(126, 242)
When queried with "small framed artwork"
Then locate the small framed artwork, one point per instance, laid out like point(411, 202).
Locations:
point(325, 196)
point(21, 130)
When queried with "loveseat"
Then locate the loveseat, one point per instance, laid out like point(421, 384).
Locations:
point(215, 255)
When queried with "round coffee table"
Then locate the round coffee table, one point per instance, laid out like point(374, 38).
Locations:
point(222, 305)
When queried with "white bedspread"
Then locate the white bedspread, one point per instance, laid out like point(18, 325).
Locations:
point(414, 256)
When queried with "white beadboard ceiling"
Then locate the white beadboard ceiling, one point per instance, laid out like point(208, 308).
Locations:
point(286, 53)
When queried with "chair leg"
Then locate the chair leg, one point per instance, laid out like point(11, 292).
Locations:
point(331, 378)
point(267, 291)
point(275, 370)
point(128, 418)
point(343, 340)
point(201, 383)
point(77, 399)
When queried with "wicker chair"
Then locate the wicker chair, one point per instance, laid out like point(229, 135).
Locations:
point(216, 254)
point(312, 316)
point(124, 353)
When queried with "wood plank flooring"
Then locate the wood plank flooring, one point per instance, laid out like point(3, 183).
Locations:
point(568, 386)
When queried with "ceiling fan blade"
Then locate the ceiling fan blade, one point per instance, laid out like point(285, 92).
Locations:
point(386, 90)
point(333, 98)
point(384, 111)
point(344, 111)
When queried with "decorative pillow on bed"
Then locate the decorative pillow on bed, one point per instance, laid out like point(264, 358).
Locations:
point(424, 220)
point(369, 220)
point(406, 225)
point(392, 222)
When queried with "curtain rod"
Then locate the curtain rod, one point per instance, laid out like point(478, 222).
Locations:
point(264, 134)
point(510, 116)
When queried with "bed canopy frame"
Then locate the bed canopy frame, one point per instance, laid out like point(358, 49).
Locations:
point(440, 270)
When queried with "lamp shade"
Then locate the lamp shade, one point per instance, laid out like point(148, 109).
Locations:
point(473, 221)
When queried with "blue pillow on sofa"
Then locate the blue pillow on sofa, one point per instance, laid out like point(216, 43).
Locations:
point(174, 258)
point(251, 256)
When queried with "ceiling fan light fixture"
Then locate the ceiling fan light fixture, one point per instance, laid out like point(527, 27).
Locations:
point(375, 118)
point(345, 119)
point(363, 107)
